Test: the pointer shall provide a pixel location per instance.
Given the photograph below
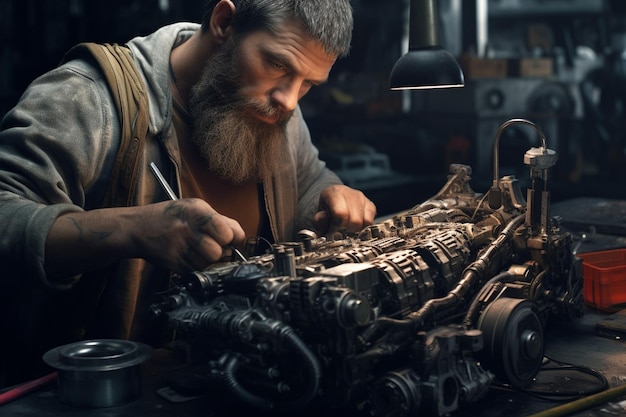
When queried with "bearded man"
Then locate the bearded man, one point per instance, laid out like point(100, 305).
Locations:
point(228, 136)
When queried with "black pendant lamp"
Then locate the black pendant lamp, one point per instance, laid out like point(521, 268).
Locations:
point(426, 65)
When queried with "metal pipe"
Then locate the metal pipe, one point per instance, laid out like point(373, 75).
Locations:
point(583, 403)
point(496, 145)
point(164, 184)
point(423, 24)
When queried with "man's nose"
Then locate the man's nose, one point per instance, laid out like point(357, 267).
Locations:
point(286, 95)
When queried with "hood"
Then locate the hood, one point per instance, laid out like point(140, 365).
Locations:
point(152, 56)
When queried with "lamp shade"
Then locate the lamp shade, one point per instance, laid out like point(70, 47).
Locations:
point(426, 64)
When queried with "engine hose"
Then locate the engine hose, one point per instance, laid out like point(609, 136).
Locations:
point(228, 376)
point(535, 284)
point(472, 311)
point(310, 361)
point(505, 235)
point(286, 334)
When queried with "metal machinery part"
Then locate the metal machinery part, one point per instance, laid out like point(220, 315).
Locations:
point(98, 373)
point(416, 315)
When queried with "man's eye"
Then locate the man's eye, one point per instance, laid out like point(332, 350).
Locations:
point(278, 66)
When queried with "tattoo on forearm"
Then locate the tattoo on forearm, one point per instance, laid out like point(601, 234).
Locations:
point(91, 235)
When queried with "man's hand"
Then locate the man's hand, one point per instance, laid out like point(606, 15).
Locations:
point(183, 235)
point(191, 236)
point(343, 208)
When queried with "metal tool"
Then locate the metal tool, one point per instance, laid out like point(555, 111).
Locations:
point(161, 179)
point(172, 196)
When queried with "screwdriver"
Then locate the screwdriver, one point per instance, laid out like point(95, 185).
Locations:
point(172, 196)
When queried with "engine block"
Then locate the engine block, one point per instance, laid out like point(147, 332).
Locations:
point(415, 315)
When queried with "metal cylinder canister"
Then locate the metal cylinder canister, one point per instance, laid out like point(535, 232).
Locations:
point(98, 373)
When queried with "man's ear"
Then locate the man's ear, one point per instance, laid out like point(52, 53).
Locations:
point(221, 19)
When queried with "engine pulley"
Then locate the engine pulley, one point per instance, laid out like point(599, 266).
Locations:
point(513, 340)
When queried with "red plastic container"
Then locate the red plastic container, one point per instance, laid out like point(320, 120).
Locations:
point(604, 279)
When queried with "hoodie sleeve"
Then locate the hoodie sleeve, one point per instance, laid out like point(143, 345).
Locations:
point(53, 145)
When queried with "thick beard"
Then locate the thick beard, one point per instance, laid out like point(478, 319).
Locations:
point(236, 146)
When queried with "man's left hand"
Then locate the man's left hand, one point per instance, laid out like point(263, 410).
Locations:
point(343, 208)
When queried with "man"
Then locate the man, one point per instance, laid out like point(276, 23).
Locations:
point(225, 130)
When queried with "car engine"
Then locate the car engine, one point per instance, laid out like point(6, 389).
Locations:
point(417, 314)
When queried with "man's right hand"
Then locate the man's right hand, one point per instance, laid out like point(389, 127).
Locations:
point(182, 235)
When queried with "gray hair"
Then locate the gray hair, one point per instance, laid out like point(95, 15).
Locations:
point(329, 22)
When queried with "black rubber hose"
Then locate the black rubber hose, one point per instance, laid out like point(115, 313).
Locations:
point(228, 376)
point(287, 336)
point(473, 309)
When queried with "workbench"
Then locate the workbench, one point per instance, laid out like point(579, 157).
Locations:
point(585, 357)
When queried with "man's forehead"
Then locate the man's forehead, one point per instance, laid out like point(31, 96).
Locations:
point(291, 30)
point(293, 46)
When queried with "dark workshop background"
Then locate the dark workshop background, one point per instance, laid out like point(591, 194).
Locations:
point(558, 63)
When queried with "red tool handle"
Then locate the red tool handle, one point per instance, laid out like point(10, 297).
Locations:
point(26, 387)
